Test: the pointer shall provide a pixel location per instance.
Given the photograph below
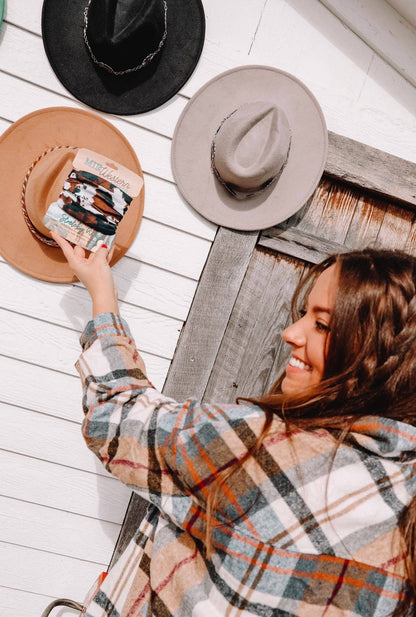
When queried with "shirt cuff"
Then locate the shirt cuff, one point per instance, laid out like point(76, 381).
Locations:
point(104, 324)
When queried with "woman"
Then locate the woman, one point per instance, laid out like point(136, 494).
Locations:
point(299, 503)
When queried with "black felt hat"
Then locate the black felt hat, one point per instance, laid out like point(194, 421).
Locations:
point(123, 56)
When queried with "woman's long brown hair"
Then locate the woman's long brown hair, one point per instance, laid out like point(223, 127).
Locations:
point(370, 367)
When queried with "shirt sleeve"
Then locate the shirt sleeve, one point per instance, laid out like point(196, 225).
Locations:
point(169, 453)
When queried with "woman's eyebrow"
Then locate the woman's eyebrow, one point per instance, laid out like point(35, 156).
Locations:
point(321, 309)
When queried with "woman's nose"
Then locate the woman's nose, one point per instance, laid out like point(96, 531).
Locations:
point(294, 334)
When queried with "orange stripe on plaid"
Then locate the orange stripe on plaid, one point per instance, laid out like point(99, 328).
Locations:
point(214, 474)
point(374, 426)
point(330, 578)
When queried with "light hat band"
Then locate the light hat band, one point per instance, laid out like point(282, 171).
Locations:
point(144, 62)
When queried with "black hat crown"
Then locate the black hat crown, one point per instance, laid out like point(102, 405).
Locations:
point(125, 35)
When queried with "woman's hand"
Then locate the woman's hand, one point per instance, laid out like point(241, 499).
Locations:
point(93, 270)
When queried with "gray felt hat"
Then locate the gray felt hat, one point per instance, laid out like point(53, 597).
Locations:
point(250, 147)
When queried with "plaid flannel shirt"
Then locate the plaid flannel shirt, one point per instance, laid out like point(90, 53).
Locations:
point(297, 533)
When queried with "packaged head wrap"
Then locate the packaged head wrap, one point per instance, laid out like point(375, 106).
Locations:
point(93, 200)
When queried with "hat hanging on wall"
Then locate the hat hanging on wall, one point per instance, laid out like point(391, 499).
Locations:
point(123, 56)
point(250, 147)
point(37, 152)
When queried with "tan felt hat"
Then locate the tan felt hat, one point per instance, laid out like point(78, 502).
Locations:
point(250, 147)
point(37, 153)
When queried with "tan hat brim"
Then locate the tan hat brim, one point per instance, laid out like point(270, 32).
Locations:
point(195, 130)
point(20, 146)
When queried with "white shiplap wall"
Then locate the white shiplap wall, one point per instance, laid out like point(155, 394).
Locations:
point(60, 513)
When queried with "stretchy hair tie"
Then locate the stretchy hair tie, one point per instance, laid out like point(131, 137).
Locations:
point(94, 201)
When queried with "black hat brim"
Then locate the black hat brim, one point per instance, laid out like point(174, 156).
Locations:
point(136, 92)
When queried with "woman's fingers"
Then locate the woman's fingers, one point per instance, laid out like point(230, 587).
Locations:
point(66, 247)
point(110, 254)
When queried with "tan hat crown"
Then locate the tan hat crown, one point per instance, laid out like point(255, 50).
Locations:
point(251, 147)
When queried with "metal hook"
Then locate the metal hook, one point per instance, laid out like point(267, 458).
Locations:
point(61, 602)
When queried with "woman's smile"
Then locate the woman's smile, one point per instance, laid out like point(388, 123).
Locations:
point(309, 335)
point(297, 365)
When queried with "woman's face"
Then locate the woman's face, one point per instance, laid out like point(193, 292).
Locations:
point(309, 336)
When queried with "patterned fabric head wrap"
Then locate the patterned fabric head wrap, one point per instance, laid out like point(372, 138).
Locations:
point(94, 201)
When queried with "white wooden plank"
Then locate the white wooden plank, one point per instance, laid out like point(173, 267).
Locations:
point(17, 602)
point(406, 8)
point(43, 343)
point(170, 249)
point(71, 490)
point(305, 39)
point(25, 14)
point(152, 150)
point(379, 25)
point(385, 116)
point(29, 525)
point(155, 289)
point(214, 60)
point(232, 25)
point(25, 385)
point(46, 438)
point(45, 573)
point(70, 306)
point(38, 342)
point(361, 95)
point(226, 46)
point(148, 286)
point(164, 204)
point(4, 124)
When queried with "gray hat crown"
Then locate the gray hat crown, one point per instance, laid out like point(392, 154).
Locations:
point(251, 147)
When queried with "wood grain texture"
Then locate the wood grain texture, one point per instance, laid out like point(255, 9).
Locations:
point(372, 169)
point(378, 25)
point(52, 346)
point(44, 573)
point(29, 525)
point(406, 8)
point(246, 360)
point(63, 488)
point(135, 512)
point(220, 281)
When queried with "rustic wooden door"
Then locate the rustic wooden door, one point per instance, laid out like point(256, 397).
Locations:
point(231, 344)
